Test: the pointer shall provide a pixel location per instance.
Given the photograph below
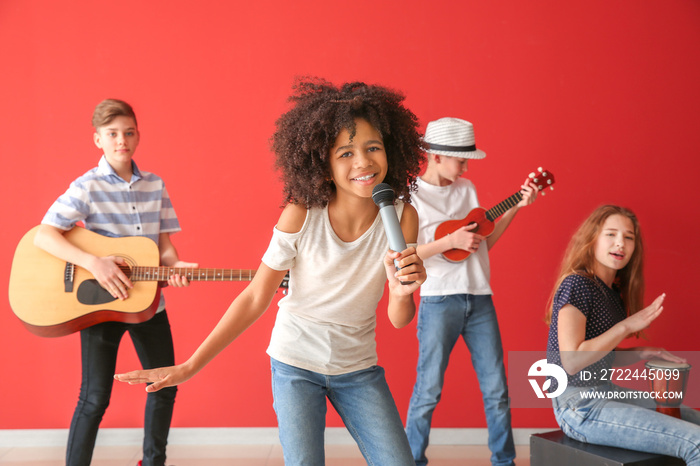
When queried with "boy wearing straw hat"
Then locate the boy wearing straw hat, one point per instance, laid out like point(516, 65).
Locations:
point(456, 297)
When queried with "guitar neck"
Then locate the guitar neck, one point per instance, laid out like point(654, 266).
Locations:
point(499, 209)
point(162, 274)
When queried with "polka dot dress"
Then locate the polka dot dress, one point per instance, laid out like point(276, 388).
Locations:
point(602, 307)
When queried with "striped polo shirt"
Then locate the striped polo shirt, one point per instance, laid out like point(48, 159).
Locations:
point(110, 206)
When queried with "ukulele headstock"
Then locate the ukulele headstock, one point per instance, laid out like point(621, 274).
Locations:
point(543, 179)
point(285, 284)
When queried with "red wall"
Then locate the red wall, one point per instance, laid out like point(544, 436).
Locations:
point(604, 94)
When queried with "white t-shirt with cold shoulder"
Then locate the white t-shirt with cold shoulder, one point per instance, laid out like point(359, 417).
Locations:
point(326, 323)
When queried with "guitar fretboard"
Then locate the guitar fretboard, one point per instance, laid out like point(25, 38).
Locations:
point(163, 273)
point(499, 209)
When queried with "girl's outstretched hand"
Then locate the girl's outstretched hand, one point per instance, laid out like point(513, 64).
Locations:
point(156, 378)
point(411, 270)
point(642, 319)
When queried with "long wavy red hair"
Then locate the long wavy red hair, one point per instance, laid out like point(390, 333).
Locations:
point(580, 259)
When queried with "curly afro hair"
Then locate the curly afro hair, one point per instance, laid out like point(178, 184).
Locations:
point(306, 133)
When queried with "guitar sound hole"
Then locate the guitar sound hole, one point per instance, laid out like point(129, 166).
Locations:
point(90, 292)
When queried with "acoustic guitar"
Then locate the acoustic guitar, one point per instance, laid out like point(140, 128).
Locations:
point(484, 219)
point(54, 298)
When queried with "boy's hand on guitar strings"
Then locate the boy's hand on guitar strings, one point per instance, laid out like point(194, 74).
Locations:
point(529, 191)
point(181, 280)
point(110, 277)
point(463, 238)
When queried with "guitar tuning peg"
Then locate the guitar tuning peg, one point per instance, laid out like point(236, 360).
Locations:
point(551, 188)
point(544, 174)
point(531, 175)
point(539, 169)
point(544, 193)
point(550, 182)
point(536, 180)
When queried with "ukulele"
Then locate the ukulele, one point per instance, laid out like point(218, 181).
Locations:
point(53, 297)
point(484, 219)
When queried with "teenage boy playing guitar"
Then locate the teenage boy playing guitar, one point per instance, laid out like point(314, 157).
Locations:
point(456, 297)
point(116, 199)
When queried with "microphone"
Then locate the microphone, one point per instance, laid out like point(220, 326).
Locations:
point(383, 196)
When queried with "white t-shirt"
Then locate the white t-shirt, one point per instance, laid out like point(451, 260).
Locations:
point(326, 322)
point(437, 204)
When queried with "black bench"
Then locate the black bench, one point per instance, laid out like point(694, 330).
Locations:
point(556, 449)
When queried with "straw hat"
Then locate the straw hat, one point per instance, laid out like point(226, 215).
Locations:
point(452, 137)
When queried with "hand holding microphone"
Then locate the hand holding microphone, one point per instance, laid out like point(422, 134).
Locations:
point(383, 197)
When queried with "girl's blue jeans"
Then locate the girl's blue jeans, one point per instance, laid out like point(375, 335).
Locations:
point(627, 422)
point(361, 398)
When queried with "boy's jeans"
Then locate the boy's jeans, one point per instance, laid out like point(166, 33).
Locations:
point(441, 321)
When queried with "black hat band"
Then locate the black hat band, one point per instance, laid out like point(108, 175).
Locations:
point(471, 148)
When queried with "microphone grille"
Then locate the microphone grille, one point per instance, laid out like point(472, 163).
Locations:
point(382, 193)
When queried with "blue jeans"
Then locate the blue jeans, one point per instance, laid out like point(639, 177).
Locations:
point(361, 398)
point(441, 321)
point(628, 423)
point(99, 345)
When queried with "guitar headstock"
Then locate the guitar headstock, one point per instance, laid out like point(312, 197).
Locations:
point(542, 179)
